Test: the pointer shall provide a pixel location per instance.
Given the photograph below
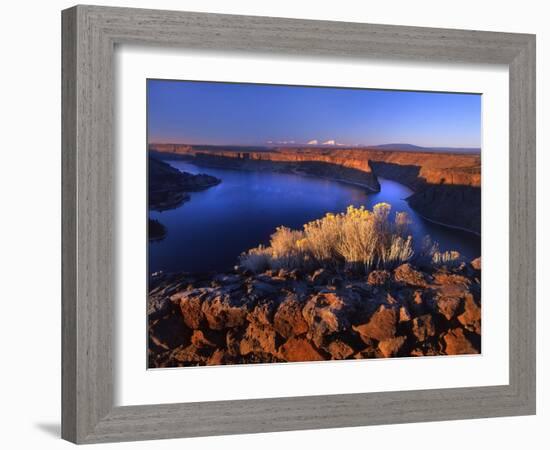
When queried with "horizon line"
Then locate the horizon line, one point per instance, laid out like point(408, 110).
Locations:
point(305, 144)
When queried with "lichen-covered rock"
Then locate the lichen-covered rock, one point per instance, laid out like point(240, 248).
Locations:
point(329, 313)
point(378, 277)
point(339, 349)
point(423, 327)
point(457, 343)
point(368, 353)
point(391, 347)
point(446, 278)
point(418, 299)
point(404, 314)
point(262, 313)
point(288, 320)
point(192, 354)
point(381, 326)
point(298, 349)
point(471, 317)
point(207, 338)
point(448, 306)
point(258, 339)
point(407, 275)
point(219, 357)
point(225, 311)
point(190, 304)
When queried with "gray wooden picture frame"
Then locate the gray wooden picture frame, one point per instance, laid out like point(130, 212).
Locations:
point(90, 34)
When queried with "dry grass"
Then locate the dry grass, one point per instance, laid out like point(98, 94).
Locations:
point(257, 259)
point(430, 255)
point(448, 258)
point(358, 239)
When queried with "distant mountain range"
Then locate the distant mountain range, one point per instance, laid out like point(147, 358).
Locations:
point(399, 147)
point(411, 147)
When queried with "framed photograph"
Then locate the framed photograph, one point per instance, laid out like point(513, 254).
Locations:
point(277, 224)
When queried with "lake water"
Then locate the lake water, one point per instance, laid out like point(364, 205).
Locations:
point(211, 230)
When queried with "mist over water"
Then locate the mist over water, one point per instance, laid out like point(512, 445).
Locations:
point(209, 232)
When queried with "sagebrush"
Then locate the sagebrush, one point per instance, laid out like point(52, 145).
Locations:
point(358, 239)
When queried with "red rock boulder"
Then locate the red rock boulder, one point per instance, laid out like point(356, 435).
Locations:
point(288, 319)
point(381, 326)
point(299, 349)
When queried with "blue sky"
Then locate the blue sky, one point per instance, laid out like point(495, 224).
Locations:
point(253, 114)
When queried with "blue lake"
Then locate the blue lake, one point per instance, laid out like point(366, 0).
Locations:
point(210, 231)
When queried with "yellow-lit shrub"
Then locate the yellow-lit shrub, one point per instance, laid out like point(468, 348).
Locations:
point(285, 251)
point(257, 259)
point(355, 239)
point(448, 258)
point(320, 237)
point(430, 255)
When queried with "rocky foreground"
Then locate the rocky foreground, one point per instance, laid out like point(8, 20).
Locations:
point(289, 316)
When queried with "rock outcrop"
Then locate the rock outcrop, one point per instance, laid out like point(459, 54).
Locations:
point(279, 316)
point(169, 187)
